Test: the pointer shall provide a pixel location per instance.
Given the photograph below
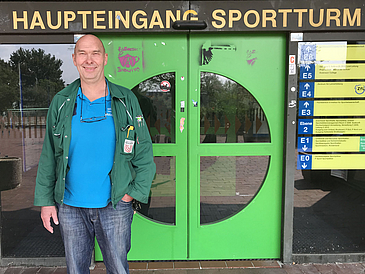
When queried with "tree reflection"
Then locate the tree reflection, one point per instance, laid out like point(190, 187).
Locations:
point(225, 103)
point(158, 106)
point(41, 75)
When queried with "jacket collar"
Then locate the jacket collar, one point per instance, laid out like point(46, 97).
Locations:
point(74, 86)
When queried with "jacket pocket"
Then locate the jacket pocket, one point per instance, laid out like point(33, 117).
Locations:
point(128, 141)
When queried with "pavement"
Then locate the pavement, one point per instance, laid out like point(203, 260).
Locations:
point(336, 268)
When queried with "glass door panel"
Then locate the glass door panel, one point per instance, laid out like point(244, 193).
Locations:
point(156, 97)
point(229, 113)
point(228, 184)
point(43, 70)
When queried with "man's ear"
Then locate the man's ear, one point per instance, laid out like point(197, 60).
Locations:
point(73, 58)
point(106, 59)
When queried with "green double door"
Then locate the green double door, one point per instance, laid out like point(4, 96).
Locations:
point(214, 105)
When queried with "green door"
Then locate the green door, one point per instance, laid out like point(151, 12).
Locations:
point(214, 105)
point(235, 146)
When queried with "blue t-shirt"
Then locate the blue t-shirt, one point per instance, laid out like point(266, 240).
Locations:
point(91, 154)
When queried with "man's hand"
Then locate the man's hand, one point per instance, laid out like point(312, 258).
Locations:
point(127, 198)
point(48, 212)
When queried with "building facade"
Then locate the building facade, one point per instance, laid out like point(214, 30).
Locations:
point(256, 110)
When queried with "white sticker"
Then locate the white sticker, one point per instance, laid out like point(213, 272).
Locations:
point(128, 146)
point(296, 36)
point(292, 68)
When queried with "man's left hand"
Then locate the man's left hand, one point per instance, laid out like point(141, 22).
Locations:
point(127, 198)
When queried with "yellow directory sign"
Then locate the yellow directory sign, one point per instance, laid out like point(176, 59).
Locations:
point(338, 144)
point(340, 71)
point(339, 108)
point(331, 51)
point(345, 141)
point(355, 52)
point(331, 126)
point(339, 126)
point(339, 89)
point(339, 51)
point(338, 161)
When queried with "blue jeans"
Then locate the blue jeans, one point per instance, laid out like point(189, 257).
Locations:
point(112, 229)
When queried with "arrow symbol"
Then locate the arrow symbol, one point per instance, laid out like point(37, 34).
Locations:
point(306, 104)
point(305, 148)
point(304, 165)
point(307, 86)
point(307, 67)
point(308, 49)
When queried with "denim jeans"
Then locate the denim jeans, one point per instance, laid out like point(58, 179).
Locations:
point(112, 229)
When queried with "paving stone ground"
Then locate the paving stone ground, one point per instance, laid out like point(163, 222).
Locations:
point(335, 268)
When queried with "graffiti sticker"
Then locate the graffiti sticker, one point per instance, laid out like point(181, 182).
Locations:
point(182, 122)
point(128, 61)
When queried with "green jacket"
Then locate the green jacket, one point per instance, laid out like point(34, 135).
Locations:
point(132, 172)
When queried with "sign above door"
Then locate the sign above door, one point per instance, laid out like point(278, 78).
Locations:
point(142, 16)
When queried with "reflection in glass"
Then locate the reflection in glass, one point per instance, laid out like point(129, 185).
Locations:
point(228, 184)
point(22, 130)
point(229, 113)
point(161, 203)
point(328, 211)
point(156, 97)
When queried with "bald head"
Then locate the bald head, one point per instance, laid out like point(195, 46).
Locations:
point(90, 39)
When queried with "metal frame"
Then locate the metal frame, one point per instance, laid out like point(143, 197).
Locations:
point(334, 36)
point(288, 208)
point(37, 39)
point(329, 258)
point(291, 112)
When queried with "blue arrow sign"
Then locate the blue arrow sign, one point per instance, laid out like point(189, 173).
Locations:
point(305, 126)
point(304, 161)
point(307, 52)
point(305, 144)
point(306, 108)
point(306, 90)
point(307, 71)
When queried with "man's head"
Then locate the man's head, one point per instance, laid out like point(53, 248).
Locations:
point(90, 58)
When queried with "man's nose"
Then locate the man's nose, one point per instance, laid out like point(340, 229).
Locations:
point(89, 58)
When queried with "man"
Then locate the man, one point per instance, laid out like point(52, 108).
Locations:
point(96, 158)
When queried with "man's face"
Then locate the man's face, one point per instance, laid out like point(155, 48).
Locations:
point(90, 59)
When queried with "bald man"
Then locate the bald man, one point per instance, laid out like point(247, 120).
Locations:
point(96, 158)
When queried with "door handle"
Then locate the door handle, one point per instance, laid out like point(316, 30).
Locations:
point(189, 25)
